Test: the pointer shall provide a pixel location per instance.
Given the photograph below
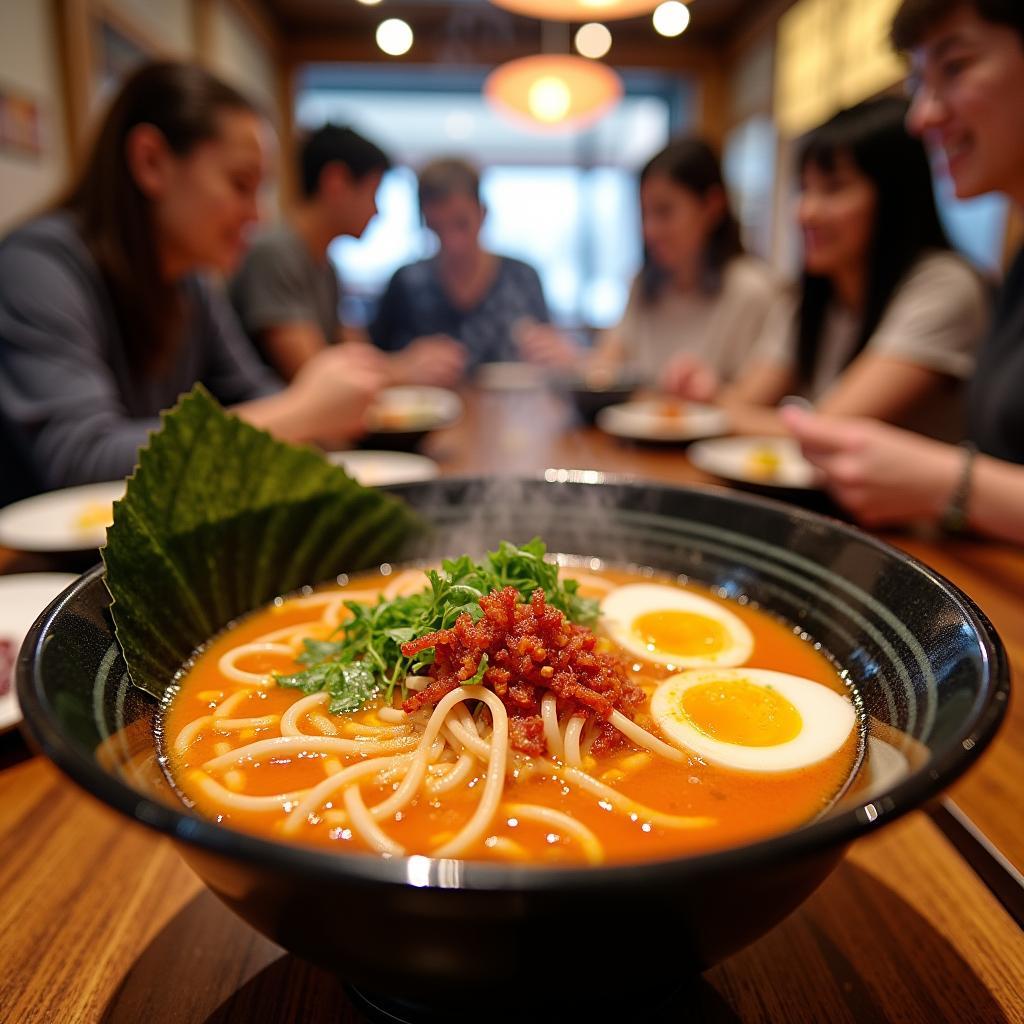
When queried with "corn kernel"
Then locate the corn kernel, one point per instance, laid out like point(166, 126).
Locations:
point(635, 762)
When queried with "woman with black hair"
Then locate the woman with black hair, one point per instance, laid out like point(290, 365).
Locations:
point(887, 318)
point(967, 58)
point(105, 316)
point(698, 298)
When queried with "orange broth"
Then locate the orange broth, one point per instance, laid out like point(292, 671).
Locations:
point(744, 805)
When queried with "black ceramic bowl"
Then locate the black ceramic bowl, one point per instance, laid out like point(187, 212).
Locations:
point(403, 416)
point(929, 668)
point(591, 394)
point(393, 440)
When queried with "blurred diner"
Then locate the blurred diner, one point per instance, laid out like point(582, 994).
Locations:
point(698, 304)
point(286, 291)
point(287, 294)
point(106, 315)
point(886, 318)
point(968, 104)
point(491, 307)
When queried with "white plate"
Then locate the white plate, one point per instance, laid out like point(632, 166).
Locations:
point(403, 409)
point(375, 469)
point(764, 461)
point(22, 598)
point(68, 520)
point(662, 419)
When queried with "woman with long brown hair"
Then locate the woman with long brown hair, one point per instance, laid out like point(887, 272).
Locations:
point(105, 317)
point(699, 298)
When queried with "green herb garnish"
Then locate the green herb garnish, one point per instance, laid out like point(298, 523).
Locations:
point(350, 686)
point(478, 676)
point(372, 639)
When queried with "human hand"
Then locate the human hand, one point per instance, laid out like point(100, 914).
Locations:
point(433, 359)
point(690, 377)
point(331, 393)
point(364, 354)
point(881, 474)
point(545, 345)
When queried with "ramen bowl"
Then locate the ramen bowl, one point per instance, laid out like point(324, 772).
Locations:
point(592, 392)
point(402, 417)
point(436, 938)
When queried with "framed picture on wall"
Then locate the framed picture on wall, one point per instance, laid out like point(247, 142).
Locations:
point(102, 45)
point(118, 54)
point(21, 123)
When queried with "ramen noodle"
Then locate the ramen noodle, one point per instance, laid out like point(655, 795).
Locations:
point(681, 723)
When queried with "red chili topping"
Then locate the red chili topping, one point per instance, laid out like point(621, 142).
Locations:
point(531, 648)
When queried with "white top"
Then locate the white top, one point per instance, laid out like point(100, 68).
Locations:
point(935, 319)
point(720, 328)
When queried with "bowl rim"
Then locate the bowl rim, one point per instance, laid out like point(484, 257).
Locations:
point(946, 764)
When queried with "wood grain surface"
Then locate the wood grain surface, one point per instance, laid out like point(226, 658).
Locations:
point(100, 920)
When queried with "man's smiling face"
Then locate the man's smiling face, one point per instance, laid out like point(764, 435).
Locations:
point(968, 84)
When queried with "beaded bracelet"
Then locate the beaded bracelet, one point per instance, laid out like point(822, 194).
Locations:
point(954, 518)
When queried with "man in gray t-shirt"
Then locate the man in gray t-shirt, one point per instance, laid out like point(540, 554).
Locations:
point(282, 283)
point(286, 292)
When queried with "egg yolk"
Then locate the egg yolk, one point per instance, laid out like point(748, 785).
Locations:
point(95, 514)
point(736, 711)
point(687, 634)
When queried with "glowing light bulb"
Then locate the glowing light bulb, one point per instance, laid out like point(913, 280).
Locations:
point(554, 90)
point(549, 99)
point(593, 40)
point(671, 18)
point(394, 37)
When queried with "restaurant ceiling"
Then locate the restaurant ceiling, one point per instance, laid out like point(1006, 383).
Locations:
point(713, 21)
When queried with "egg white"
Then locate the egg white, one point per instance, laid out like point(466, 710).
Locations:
point(624, 605)
point(827, 718)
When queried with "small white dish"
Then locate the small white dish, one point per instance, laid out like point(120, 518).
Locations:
point(377, 469)
point(73, 519)
point(22, 598)
point(403, 410)
point(662, 419)
point(761, 461)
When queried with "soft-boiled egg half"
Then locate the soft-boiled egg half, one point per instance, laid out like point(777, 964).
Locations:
point(752, 718)
point(675, 627)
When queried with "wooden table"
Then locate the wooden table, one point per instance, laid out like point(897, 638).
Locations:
point(102, 921)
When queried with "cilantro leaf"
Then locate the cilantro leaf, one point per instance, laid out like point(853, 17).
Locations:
point(317, 651)
point(349, 686)
point(312, 680)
